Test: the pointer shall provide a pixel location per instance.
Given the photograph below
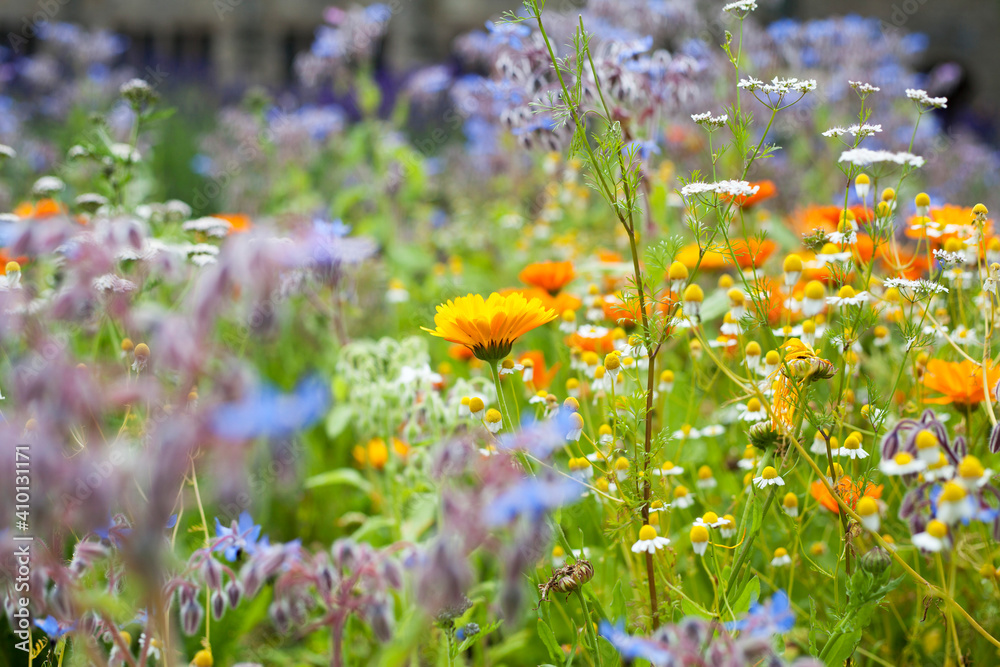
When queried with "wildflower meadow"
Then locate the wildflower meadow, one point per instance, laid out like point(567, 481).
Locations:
point(644, 332)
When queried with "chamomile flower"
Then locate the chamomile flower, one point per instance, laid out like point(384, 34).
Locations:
point(575, 427)
point(751, 355)
point(901, 464)
point(728, 528)
point(933, 538)
point(668, 469)
point(605, 434)
point(852, 448)
point(658, 506)
point(792, 268)
point(710, 520)
point(953, 504)
point(868, 510)
point(540, 398)
point(862, 186)
point(692, 300)
point(831, 254)
point(781, 557)
point(846, 296)
point(649, 541)
point(580, 468)
point(881, 335)
point(508, 367)
point(790, 504)
point(753, 411)
point(928, 446)
point(699, 539)
point(971, 473)
point(939, 470)
point(818, 445)
point(749, 460)
point(682, 497)
point(768, 477)
point(706, 480)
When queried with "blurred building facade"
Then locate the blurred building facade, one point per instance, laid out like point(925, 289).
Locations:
point(238, 42)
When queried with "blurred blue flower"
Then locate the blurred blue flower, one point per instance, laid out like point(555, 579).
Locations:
point(264, 411)
point(764, 620)
point(632, 647)
point(243, 537)
point(330, 228)
point(53, 628)
point(533, 497)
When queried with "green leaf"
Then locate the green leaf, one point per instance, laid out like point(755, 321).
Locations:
point(339, 477)
point(691, 609)
point(839, 649)
point(619, 606)
point(338, 419)
point(749, 595)
point(549, 639)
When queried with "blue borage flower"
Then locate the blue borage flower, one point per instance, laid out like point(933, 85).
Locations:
point(632, 647)
point(242, 536)
point(264, 411)
point(764, 620)
point(533, 497)
point(53, 628)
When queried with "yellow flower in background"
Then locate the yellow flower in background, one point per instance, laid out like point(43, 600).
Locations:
point(489, 327)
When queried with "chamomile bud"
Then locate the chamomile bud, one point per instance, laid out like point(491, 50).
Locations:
point(575, 428)
point(882, 209)
point(751, 354)
point(666, 381)
point(605, 434)
point(737, 303)
point(127, 345)
point(725, 282)
point(889, 196)
point(867, 509)
point(571, 404)
point(141, 355)
point(790, 504)
point(477, 407)
point(923, 203)
point(493, 420)
point(699, 539)
point(814, 300)
point(862, 186)
point(771, 361)
point(693, 297)
point(678, 275)
point(792, 267)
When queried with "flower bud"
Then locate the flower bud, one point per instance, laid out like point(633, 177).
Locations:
point(876, 561)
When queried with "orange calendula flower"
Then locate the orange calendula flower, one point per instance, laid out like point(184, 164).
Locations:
point(549, 276)
point(752, 253)
point(43, 208)
point(850, 492)
point(961, 382)
point(239, 221)
point(560, 302)
point(490, 326)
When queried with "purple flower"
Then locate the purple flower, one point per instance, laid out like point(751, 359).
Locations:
point(764, 620)
point(264, 411)
point(243, 536)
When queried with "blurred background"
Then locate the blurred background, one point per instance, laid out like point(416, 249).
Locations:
point(205, 55)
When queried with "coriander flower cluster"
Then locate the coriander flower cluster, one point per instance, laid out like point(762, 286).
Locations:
point(864, 157)
point(731, 188)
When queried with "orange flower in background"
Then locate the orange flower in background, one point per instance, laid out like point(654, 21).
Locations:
point(765, 190)
point(624, 313)
point(5, 258)
point(826, 218)
point(849, 491)
point(602, 344)
point(904, 262)
point(549, 276)
point(946, 222)
point(559, 303)
point(609, 256)
point(43, 208)
point(961, 382)
point(864, 248)
point(239, 221)
point(748, 253)
point(376, 453)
